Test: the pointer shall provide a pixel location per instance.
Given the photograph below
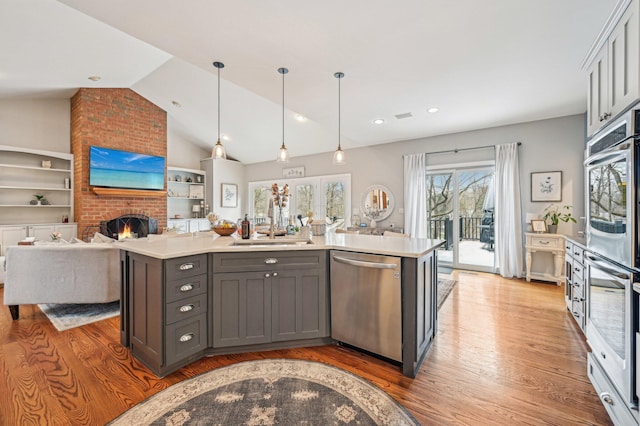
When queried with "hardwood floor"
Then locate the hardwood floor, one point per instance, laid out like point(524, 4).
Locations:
point(507, 353)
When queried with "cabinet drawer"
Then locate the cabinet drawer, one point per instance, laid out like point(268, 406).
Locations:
point(568, 248)
point(188, 266)
point(185, 287)
point(268, 260)
point(186, 338)
point(578, 254)
point(546, 242)
point(578, 271)
point(186, 308)
point(612, 401)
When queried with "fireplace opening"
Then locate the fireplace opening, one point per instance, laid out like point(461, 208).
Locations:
point(129, 226)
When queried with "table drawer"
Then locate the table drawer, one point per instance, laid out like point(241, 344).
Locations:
point(186, 338)
point(186, 308)
point(188, 266)
point(546, 242)
point(185, 287)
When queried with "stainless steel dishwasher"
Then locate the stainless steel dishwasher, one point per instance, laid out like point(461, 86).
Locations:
point(366, 302)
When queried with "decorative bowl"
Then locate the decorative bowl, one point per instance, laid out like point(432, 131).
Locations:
point(224, 231)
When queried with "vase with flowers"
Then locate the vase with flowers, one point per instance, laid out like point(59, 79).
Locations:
point(555, 214)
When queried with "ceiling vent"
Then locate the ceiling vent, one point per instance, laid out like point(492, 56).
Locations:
point(405, 115)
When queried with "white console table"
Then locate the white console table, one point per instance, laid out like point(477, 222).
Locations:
point(546, 243)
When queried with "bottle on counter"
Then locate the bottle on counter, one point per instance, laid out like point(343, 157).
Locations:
point(246, 228)
point(291, 230)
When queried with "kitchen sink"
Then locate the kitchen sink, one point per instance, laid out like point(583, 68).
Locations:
point(272, 242)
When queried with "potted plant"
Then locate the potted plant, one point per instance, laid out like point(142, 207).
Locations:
point(38, 199)
point(555, 214)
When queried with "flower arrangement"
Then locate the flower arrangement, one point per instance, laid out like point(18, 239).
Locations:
point(280, 199)
point(56, 236)
point(213, 218)
point(556, 214)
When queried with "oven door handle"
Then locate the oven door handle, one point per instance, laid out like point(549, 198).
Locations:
point(594, 262)
point(608, 155)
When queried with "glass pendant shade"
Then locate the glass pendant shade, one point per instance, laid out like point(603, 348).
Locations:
point(218, 149)
point(338, 156)
point(283, 154)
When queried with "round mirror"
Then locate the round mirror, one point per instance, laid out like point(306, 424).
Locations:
point(377, 202)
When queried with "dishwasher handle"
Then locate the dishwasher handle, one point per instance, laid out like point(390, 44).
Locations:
point(365, 264)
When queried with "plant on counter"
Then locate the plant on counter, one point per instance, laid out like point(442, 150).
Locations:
point(555, 214)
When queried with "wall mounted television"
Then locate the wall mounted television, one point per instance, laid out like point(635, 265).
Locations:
point(113, 168)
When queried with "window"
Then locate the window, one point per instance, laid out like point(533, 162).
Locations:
point(327, 197)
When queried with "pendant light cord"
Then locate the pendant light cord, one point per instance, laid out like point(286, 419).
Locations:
point(218, 104)
point(283, 109)
point(339, 113)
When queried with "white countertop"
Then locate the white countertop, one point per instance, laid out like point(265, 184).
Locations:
point(168, 247)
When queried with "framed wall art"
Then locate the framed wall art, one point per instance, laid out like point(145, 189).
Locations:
point(229, 195)
point(293, 172)
point(539, 226)
point(546, 186)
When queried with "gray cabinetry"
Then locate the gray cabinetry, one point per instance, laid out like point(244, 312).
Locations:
point(267, 297)
point(165, 310)
point(419, 312)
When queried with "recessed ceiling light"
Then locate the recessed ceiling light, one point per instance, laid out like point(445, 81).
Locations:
point(176, 104)
point(300, 117)
point(95, 78)
point(378, 121)
point(433, 109)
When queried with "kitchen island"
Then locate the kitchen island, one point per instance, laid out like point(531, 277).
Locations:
point(188, 296)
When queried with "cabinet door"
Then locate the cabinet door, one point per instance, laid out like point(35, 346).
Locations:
point(299, 304)
point(597, 103)
point(41, 232)
point(10, 235)
point(623, 61)
point(146, 309)
point(241, 308)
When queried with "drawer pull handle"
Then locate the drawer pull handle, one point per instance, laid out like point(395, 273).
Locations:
point(275, 274)
point(186, 337)
point(543, 242)
point(186, 287)
point(186, 308)
point(606, 397)
point(577, 253)
point(186, 266)
point(271, 261)
point(576, 314)
point(267, 275)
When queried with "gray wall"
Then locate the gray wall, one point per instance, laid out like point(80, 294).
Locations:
point(547, 145)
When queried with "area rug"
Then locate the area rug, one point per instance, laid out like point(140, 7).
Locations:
point(444, 289)
point(65, 316)
point(270, 392)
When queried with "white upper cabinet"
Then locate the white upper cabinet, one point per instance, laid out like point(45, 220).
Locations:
point(614, 72)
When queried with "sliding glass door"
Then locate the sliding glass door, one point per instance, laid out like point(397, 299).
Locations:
point(460, 209)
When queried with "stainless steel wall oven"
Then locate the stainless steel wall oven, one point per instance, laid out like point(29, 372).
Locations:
point(611, 173)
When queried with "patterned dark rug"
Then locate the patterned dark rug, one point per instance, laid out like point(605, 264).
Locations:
point(270, 392)
point(444, 289)
point(64, 316)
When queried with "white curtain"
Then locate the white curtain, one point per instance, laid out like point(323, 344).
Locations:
point(508, 213)
point(415, 195)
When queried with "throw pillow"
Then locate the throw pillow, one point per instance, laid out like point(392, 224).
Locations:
point(100, 238)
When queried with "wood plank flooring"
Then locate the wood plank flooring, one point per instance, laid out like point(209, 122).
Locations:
point(507, 353)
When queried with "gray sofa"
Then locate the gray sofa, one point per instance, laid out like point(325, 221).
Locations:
point(61, 273)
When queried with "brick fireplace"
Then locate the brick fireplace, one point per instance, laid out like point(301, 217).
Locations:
point(118, 119)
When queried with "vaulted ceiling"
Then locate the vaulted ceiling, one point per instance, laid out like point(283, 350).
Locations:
point(482, 63)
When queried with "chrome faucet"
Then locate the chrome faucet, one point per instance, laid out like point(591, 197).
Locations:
point(270, 215)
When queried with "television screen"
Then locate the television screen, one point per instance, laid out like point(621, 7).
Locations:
point(122, 169)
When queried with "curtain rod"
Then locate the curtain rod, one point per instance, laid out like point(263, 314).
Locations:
point(463, 149)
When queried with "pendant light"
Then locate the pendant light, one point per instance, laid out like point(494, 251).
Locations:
point(218, 149)
point(338, 156)
point(283, 155)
